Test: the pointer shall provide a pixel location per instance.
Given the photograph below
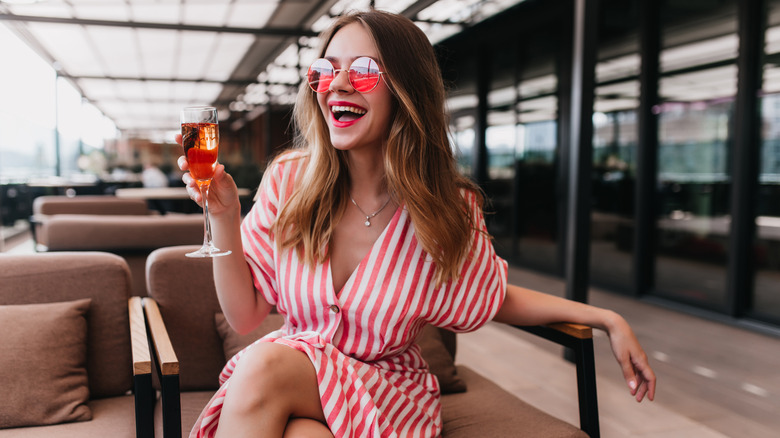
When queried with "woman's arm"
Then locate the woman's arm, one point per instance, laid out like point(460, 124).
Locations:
point(527, 307)
point(243, 307)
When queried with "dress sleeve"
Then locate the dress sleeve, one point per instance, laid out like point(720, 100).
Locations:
point(476, 295)
point(256, 235)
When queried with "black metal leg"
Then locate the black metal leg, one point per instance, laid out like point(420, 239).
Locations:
point(144, 406)
point(586, 388)
point(171, 406)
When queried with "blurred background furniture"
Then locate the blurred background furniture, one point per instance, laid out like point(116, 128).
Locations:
point(167, 199)
point(44, 206)
point(131, 236)
point(77, 347)
point(123, 226)
point(192, 344)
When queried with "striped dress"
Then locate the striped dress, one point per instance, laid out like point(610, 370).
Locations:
point(373, 381)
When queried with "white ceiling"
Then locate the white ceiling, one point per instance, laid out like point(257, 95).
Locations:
point(140, 61)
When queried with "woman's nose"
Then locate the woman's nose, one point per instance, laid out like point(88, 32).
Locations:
point(341, 82)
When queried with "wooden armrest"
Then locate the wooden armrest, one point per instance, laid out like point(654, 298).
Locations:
point(163, 349)
point(142, 359)
point(579, 331)
point(142, 370)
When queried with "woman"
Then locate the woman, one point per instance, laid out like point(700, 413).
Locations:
point(360, 237)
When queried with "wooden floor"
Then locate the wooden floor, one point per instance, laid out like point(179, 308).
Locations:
point(715, 380)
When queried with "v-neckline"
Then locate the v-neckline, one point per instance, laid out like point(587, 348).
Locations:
point(363, 260)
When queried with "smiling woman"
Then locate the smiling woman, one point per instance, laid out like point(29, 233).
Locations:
point(345, 229)
point(360, 237)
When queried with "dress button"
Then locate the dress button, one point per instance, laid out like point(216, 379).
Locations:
point(334, 308)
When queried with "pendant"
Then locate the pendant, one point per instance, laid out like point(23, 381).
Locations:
point(367, 223)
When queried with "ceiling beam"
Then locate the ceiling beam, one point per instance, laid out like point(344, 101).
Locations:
point(416, 7)
point(142, 78)
point(193, 80)
point(287, 32)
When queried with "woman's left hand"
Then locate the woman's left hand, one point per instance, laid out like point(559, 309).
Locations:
point(632, 359)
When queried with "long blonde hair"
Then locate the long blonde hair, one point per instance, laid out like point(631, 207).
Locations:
point(419, 164)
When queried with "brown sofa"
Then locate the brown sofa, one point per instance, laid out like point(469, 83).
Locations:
point(105, 223)
point(74, 357)
point(45, 206)
point(192, 346)
point(89, 204)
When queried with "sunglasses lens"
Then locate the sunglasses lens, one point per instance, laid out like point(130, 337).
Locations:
point(320, 75)
point(364, 74)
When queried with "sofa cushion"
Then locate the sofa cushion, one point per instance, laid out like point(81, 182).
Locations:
point(487, 410)
point(89, 204)
point(67, 232)
point(111, 417)
point(184, 290)
point(43, 363)
point(66, 276)
point(440, 360)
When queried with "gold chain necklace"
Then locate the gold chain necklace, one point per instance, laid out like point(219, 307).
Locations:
point(369, 216)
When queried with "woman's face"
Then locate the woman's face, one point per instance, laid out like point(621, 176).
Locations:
point(355, 120)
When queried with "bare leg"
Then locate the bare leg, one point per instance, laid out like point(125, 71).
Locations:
point(271, 384)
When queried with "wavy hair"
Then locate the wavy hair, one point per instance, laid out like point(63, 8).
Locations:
point(420, 169)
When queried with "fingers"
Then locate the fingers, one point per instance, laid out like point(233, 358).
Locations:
point(192, 188)
point(633, 362)
point(640, 378)
point(628, 374)
point(648, 384)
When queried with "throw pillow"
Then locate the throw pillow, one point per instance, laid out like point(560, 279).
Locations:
point(232, 342)
point(440, 361)
point(43, 358)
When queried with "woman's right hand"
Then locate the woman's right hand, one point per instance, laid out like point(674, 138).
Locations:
point(223, 192)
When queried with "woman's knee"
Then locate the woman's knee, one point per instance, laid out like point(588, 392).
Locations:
point(278, 374)
point(265, 366)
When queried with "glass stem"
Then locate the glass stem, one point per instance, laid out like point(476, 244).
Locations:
point(204, 191)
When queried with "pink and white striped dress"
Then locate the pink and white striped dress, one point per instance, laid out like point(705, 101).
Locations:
point(373, 381)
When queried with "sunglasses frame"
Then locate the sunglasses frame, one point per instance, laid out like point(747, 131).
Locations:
point(337, 71)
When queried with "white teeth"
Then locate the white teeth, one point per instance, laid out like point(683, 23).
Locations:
point(343, 109)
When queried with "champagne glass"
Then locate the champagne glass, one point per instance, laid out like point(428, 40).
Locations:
point(200, 140)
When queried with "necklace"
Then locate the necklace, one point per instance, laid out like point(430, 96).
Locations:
point(369, 216)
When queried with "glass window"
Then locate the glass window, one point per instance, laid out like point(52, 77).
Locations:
point(27, 116)
point(537, 208)
point(693, 209)
point(463, 142)
point(766, 297)
point(612, 217)
point(39, 110)
point(697, 88)
point(613, 174)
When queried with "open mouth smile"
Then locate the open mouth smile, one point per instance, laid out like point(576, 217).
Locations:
point(346, 115)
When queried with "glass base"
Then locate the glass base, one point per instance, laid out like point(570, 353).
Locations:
point(208, 251)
